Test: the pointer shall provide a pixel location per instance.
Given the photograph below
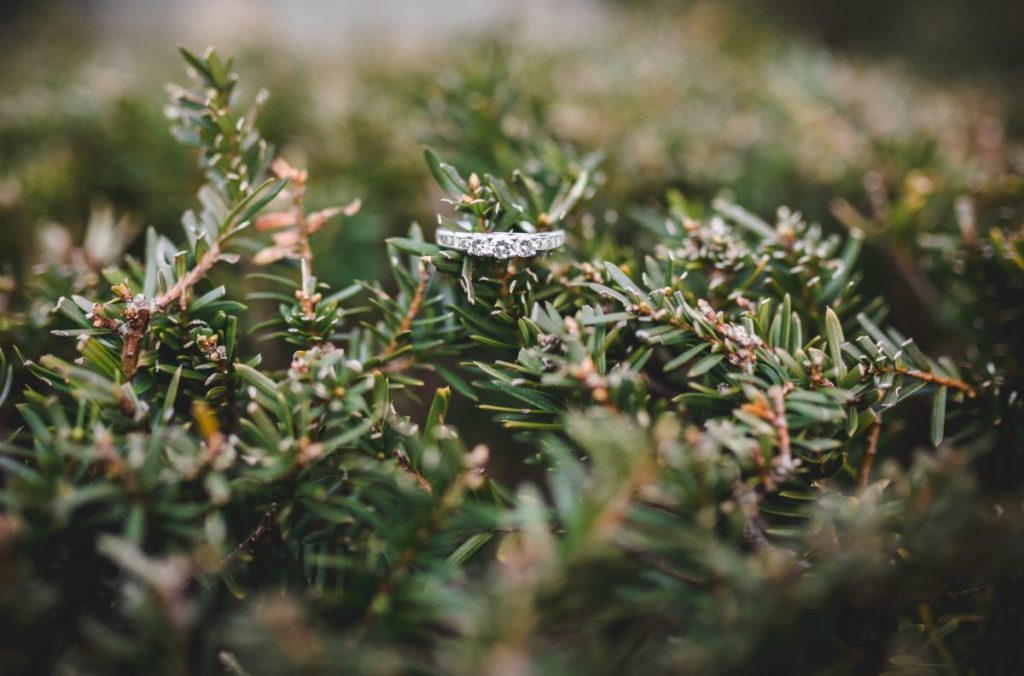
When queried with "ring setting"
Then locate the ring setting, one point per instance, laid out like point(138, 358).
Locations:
point(501, 245)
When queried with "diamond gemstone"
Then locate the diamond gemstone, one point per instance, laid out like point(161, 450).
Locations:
point(524, 247)
point(503, 247)
point(481, 245)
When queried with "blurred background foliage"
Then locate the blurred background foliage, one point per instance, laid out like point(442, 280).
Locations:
point(698, 96)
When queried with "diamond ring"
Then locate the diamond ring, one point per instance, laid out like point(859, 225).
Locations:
point(501, 245)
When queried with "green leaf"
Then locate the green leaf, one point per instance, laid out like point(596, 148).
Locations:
point(466, 278)
point(939, 415)
point(686, 356)
point(437, 413)
point(622, 279)
point(745, 219)
point(534, 398)
point(505, 197)
point(101, 357)
point(705, 364)
point(231, 337)
point(252, 204)
point(562, 206)
point(381, 397)
point(261, 382)
point(610, 292)
point(172, 392)
point(152, 241)
point(6, 378)
point(834, 332)
point(468, 548)
point(207, 299)
point(414, 247)
point(445, 174)
point(348, 436)
point(460, 385)
point(592, 318)
point(200, 66)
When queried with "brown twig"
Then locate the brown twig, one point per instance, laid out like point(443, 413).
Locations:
point(586, 371)
point(182, 286)
point(306, 294)
point(642, 309)
point(292, 227)
point(411, 312)
point(661, 564)
point(762, 467)
point(403, 462)
point(773, 410)
point(298, 189)
point(952, 383)
point(778, 419)
point(737, 345)
point(263, 528)
point(754, 536)
point(396, 365)
point(869, 452)
point(818, 380)
point(138, 311)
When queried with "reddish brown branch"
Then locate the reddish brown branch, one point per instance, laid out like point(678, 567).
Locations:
point(262, 530)
point(138, 311)
point(869, 452)
point(191, 278)
point(403, 462)
point(661, 564)
point(778, 397)
point(952, 383)
point(412, 311)
point(773, 411)
point(762, 467)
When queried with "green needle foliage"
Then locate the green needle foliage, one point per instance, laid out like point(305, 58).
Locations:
point(264, 477)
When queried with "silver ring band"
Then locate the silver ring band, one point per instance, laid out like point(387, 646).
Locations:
point(501, 245)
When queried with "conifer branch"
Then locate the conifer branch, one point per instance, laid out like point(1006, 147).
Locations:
point(181, 288)
point(941, 380)
point(870, 450)
point(411, 312)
